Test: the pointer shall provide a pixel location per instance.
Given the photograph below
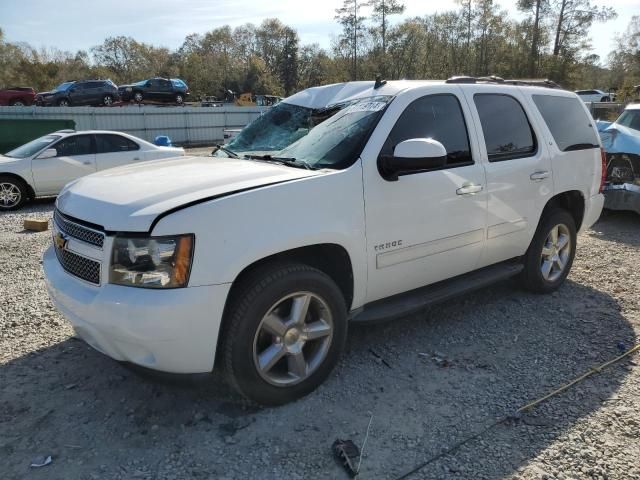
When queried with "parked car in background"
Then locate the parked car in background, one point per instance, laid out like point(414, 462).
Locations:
point(45, 165)
point(621, 142)
point(595, 96)
point(163, 90)
point(83, 92)
point(261, 262)
point(17, 96)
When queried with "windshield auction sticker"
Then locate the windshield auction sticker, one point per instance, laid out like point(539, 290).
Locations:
point(365, 107)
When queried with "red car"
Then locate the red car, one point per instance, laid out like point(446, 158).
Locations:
point(17, 96)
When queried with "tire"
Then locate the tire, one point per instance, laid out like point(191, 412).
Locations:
point(138, 97)
point(605, 99)
point(559, 255)
point(297, 368)
point(13, 193)
point(18, 103)
point(179, 99)
point(107, 100)
point(64, 102)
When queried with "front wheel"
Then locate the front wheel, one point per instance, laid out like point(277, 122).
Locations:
point(107, 100)
point(13, 193)
point(138, 97)
point(550, 255)
point(179, 99)
point(285, 331)
point(64, 102)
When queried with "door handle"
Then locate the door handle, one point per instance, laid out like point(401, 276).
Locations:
point(86, 163)
point(537, 176)
point(469, 189)
point(136, 158)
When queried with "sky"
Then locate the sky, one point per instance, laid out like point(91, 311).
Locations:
point(73, 25)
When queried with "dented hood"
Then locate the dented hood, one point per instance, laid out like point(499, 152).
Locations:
point(130, 198)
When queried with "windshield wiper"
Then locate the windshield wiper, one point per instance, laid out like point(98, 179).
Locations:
point(231, 153)
point(289, 161)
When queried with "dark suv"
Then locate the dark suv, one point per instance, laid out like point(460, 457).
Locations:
point(165, 90)
point(83, 92)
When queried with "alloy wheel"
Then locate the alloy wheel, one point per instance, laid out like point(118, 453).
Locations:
point(556, 252)
point(293, 339)
point(18, 103)
point(10, 195)
point(137, 97)
point(107, 100)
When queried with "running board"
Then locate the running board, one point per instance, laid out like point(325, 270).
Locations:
point(415, 300)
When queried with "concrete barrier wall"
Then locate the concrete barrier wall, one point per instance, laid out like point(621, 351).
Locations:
point(184, 125)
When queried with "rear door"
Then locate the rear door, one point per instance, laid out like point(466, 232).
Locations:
point(114, 150)
point(75, 159)
point(518, 169)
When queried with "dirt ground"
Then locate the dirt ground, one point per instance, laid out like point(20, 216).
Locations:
point(425, 382)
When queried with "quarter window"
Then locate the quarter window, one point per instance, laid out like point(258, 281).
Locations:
point(74, 146)
point(507, 131)
point(568, 122)
point(438, 117)
point(114, 143)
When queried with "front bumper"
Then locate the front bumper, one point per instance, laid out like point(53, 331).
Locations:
point(625, 196)
point(173, 331)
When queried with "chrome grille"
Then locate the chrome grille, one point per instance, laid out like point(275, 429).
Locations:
point(77, 231)
point(81, 267)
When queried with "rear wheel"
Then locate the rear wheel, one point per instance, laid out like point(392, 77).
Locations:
point(550, 255)
point(13, 193)
point(179, 99)
point(107, 100)
point(64, 102)
point(285, 331)
point(18, 103)
point(605, 99)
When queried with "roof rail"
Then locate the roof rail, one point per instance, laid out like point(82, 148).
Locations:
point(534, 82)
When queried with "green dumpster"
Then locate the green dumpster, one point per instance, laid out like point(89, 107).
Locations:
point(15, 132)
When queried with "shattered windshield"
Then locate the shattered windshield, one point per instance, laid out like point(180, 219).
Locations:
point(630, 119)
point(338, 141)
point(278, 128)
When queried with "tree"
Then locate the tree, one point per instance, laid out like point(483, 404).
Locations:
point(352, 29)
point(382, 10)
point(538, 9)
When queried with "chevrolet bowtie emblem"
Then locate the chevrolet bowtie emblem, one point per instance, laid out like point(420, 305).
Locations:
point(60, 241)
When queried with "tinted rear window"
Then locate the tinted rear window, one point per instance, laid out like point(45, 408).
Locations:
point(506, 128)
point(568, 122)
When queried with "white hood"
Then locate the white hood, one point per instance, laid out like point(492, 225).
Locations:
point(128, 199)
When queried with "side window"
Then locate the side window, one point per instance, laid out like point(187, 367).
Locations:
point(568, 122)
point(74, 146)
point(434, 116)
point(114, 143)
point(507, 131)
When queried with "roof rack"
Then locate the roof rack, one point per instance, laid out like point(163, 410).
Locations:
point(535, 82)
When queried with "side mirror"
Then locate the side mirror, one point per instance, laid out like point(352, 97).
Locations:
point(412, 156)
point(48, 153)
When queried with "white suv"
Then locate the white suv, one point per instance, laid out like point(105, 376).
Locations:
point(411, 193)
point(595, 96)
point(45, 165)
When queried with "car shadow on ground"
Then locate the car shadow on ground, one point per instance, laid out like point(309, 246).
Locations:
point(618, 227)
point(425, 382)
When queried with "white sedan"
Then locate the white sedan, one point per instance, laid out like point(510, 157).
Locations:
point(44, 166)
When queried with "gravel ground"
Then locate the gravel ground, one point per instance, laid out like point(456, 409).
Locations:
point(485, 355)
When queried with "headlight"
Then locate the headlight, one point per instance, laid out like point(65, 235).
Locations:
point(151, 262)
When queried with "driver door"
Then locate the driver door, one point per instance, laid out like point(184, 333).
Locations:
point(428, 225)
point(74, 159)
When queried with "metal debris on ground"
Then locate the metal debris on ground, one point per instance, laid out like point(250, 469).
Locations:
point(345, 451)
point(41, 461)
